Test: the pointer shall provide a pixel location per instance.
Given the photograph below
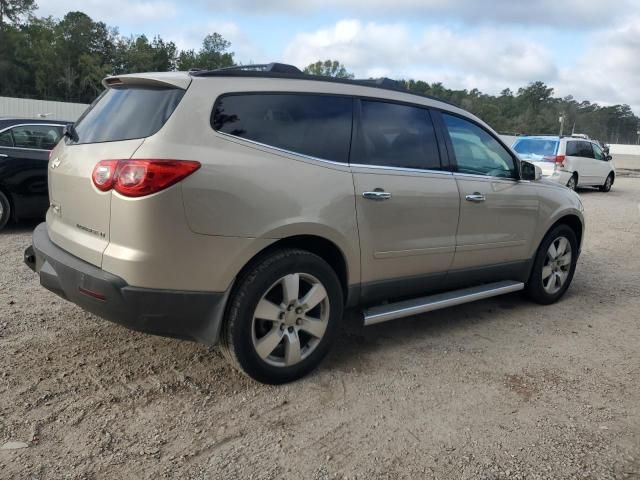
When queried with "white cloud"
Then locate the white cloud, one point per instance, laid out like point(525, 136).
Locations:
point(112, 11)
point(609, 71)
point(569, 14)
point(489, 59)
point(484, 58)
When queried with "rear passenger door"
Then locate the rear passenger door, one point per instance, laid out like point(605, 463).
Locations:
point(498, 211)
point(406, 200)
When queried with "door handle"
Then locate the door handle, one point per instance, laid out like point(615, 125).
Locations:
point(475, 197)
point(377, 194)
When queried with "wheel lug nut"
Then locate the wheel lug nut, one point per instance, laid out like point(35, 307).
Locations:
point(281, 327)
point(281, 316)
point(299, 310)
point(299, 321)
point(290, 329)
point(289, 308)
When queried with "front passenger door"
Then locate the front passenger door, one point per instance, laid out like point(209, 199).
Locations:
point(498, 211)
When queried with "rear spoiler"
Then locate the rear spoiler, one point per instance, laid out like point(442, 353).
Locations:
point(162, 79)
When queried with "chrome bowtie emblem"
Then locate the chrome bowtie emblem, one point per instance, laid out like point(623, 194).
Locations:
point(55, 163)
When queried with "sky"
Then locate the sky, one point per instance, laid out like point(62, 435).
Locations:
point(586, 48)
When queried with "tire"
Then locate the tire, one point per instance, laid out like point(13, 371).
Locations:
point(607, 184)
point(558, 270)
point(266, 318)
point(5, 210)
point(572, 184)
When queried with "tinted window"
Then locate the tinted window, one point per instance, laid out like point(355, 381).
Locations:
point(478, 152)
point(40, 137)
point(396, 136)
point(536, 146)
point(124, 113)
point(597, 152)
point(314, 125)
point(6, 140)
point(573, 149)
point(585, 149)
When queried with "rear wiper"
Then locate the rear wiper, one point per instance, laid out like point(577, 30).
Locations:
point(69, 130)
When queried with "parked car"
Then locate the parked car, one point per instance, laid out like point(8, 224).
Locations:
point(571, 161)
point(24, 154)
point(248, 208)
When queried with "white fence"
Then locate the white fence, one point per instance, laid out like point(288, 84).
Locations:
point(27, 108)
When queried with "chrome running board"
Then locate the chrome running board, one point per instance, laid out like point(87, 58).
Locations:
point(406, 308)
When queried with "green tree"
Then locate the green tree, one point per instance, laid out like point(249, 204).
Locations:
point(12, 11)
point(328, 68)
point(213, 54)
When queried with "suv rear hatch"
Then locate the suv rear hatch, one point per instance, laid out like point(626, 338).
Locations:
point(132, 108)
point(542, 152)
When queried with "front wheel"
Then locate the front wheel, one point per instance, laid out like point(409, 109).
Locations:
point(282, 316)
point(554, 266)
point(572, 184)
point(607, 184)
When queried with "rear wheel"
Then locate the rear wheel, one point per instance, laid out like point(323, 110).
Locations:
point(554, 266)
point(607, 184)
point(282, 316)
point(573, 182)
point(5, 210)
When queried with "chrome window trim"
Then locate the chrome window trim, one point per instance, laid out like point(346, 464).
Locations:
point(283, 150)
point(31, 125)
point(332, 162)
point(488, 177)
point(401, 169)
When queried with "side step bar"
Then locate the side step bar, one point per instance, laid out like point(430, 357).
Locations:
point(406, 308)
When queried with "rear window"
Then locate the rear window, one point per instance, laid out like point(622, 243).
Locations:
point(314, 125)
point(125, 113)
point(536, 146)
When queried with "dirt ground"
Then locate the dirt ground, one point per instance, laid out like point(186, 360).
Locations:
point(498, 389)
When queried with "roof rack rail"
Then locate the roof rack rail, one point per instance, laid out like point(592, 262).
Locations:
point(272, 67)
point(383, 82)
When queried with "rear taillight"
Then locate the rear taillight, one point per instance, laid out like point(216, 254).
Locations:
point(137, 178)
point(557, 159)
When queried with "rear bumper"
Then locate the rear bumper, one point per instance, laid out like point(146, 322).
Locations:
point(559, 176)
point(183, 314)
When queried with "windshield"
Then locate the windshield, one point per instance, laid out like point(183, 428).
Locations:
point(536, 146)
point(127, 112)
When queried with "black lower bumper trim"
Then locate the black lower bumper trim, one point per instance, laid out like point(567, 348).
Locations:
point(183, 314)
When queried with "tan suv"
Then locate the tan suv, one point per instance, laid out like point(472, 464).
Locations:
point(248, 207)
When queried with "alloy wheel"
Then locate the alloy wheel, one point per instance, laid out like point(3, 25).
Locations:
point(290, 320)
point(557, 265)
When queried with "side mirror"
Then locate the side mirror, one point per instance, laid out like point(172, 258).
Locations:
point(530, 171)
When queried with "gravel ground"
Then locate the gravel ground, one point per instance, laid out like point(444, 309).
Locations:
point(497, 389)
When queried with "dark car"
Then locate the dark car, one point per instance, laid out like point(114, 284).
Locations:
point(24, 155)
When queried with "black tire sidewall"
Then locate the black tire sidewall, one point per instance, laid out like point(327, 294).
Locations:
point(6, 208)
point(535, 289)
point(604, 188)
point(254, 287)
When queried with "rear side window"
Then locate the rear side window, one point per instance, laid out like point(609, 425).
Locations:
point(315, 125)
point(572, 149)
point(536, 146)
point(127, 112)
point(38, 137)
point(6, 140)
point(395, 135)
